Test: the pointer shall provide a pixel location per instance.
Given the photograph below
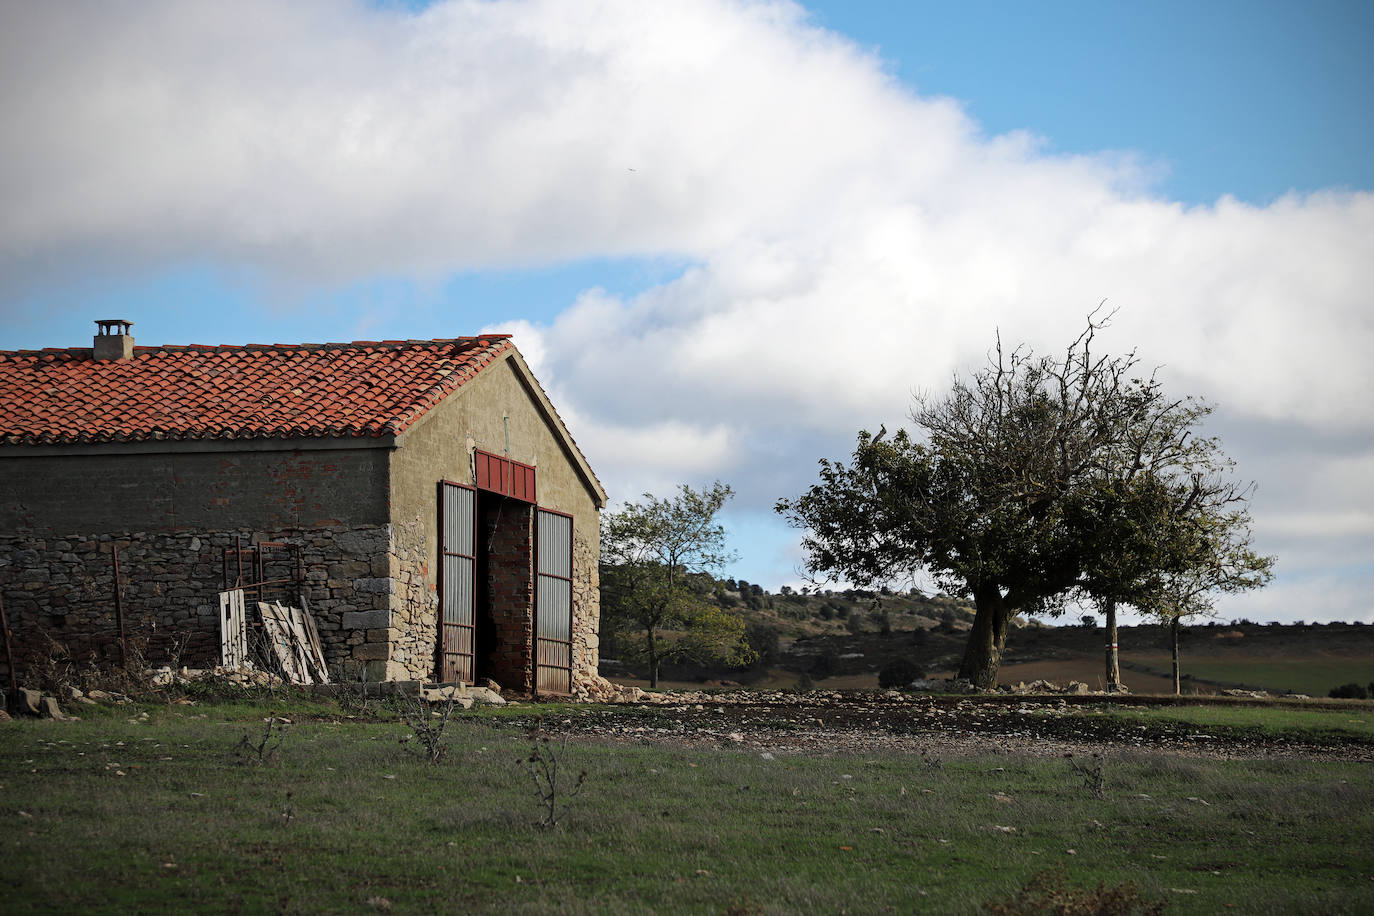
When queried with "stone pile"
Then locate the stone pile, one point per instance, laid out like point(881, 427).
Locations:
point(596, 689)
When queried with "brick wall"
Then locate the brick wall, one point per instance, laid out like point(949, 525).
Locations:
point(510, 592)
point(179, 490)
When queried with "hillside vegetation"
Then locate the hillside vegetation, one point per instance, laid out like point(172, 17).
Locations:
point(846, 638)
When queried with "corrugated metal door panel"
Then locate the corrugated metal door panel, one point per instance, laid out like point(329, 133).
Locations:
point(457, 632)
point(553, 603)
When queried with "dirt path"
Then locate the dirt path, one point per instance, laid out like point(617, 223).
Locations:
point(832, 722)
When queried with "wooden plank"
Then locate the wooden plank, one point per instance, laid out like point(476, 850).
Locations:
point(300, 641)
point(295, 632)
point(277, 627)
point(241, 627)
point(226, 634)
point(316, 647)
point(233, 632)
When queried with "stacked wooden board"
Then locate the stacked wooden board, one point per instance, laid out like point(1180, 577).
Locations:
point(291, 641)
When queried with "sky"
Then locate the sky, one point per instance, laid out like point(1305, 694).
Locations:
point(727, 235)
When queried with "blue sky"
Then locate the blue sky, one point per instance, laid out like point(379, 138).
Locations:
point(1249, 98)
point(728, 234)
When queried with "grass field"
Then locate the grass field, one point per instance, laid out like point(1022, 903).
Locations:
point(163, 809)
point(1350, 719)
point(1310, 675)
point(1313, 675)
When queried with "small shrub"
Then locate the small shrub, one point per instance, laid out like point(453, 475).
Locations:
point(544, 764)
point(260, 751)
point(1091, 773)
point(899, 673)
point(1350, 692)
point(427, 722)
point(1049, 892)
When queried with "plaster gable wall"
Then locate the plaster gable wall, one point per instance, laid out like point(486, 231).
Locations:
point(438, 448)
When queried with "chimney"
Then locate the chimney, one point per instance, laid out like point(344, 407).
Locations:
point(112, 340)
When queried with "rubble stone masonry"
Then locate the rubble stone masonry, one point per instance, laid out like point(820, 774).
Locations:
point(360, 584)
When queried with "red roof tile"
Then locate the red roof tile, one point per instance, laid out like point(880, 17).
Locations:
point(361, 389)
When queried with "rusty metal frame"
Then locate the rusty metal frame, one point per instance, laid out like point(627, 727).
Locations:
point(258, 585)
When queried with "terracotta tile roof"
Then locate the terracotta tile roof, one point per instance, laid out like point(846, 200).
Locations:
point(360, 389)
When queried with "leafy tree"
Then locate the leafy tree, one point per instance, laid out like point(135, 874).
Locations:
point(1017, 498)
point(764, 641)
point(1143, 498)
point(650, 596)
point(1210, 554)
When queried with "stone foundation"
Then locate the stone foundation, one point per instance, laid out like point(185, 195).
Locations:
point(369, 589)
point(59, 597)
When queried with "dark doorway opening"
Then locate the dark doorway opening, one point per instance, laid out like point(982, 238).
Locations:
point(505, 602)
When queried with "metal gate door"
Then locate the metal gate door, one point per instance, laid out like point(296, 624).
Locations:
point(457, 531)
point(553, 604)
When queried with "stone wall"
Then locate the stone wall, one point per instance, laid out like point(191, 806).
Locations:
point(58, 594)
point(415, 605)
point(586, 625)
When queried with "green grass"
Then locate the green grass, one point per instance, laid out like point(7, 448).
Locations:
point(1312, 675)
point(1352, 720)
point(343, 814)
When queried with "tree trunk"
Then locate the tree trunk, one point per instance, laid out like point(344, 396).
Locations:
point(1113, 666)
point(1173, 643)
point(987, 638)
point(653, 658)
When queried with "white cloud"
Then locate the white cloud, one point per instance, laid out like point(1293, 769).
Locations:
point(851, 240)
point(1320, 597)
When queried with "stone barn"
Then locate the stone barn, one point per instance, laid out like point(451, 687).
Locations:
point(421, 497)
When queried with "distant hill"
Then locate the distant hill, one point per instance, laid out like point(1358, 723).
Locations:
point(843, 639)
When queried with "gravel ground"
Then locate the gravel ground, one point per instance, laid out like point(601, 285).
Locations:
point(832, 722)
